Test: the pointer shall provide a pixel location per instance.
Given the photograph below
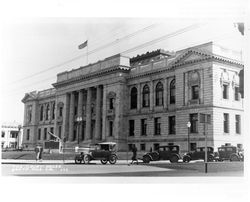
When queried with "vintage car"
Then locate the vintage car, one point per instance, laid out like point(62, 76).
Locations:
point(105, 152)
point(170, 152)
point(229, 152)
point(199, 153)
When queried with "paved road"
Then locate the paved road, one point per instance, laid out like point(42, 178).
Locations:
point(121, 169)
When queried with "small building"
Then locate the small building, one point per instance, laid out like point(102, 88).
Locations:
point(11, 135)
point(147, 100)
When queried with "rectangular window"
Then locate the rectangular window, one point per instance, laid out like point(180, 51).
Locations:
point(28, 135)
point(60, 131)
point(171, 124)
point(39, 134)
point(142, 147)
point(236, 93)
point(237, 124)
point(131, 127)
point(193, 118)
point(111, 103)
point(195, 92)
point(225, 91)
point(74, 135)
point(45, 134)
point(156, 146)
point(52, 131)
point(60, 111)
point(157, 126)
point(193, 146)
point(143, 127)
point(226, 123)
point(3, 133)
point(111, 128)
point(130, 147)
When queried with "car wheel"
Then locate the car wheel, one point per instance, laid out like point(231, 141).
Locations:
point(234, 157)
point(113, 159)
point(86, 159)
point(186, 159)
point(174, 159)
point(78, 161)
point(104, 161)
point(146, 159)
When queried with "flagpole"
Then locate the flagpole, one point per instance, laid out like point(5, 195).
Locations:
point(87, 52)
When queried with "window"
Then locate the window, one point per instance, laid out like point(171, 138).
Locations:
point(39, 134)
point(45, 134)
point(157, 126)
point(3, 133)
point(172, 92)
point(28, 135)
point(143, 127)
point(193, 146)
point(60, 131)
point(193, 118)
point(111, 128)
point(226, 123)
point(133, 98)
point(41, 113)
point(236, 93)
point(74, 135)
point(156, 146)
point(13, 134)
point(145, 96)
point(195, 92)
point(60, 111)
point(29, 113)
point(142, 147)
point(131, 127)
point(111, 103)
point(225, 91)
point(47, 112)
point(159, 94)
point(171, 122)
point(75, 110)
point(237, 124)
point(53, 111)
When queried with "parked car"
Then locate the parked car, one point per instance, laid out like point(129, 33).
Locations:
point(170, 152)
point(105, 152)
point(231, 153)
point(198, 154)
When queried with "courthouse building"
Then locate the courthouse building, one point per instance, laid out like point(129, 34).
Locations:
point(146, 100)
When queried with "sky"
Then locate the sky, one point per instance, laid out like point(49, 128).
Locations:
point(35, 50)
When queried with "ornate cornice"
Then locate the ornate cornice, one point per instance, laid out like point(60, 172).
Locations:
point(92, 75)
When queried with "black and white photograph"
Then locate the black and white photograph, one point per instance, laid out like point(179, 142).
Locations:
point(107, 99)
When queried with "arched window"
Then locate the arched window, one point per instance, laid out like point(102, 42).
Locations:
point(41, 113)
point(145, 96)
point(159, 94)
point(133, 98)
point(172, 92)
point(47, 112)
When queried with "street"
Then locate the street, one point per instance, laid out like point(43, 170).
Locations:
point(122, 169)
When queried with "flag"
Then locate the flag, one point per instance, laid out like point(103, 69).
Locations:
point(83, 45)
point(240, 27)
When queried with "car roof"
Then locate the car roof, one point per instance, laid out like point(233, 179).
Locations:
point(169, 146)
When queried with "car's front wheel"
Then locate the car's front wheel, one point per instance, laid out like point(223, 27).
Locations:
point(186, 159)
point(77, 160)
point(146, 159)
point(86, 159)
point(174, 159)
point(113, 159)
point(104, 161)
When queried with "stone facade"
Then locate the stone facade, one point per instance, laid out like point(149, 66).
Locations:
point(146, 100)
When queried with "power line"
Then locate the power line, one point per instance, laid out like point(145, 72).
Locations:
point(89, 53)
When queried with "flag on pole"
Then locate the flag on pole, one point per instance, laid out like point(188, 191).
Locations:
point(83, 45)
point(240, 27)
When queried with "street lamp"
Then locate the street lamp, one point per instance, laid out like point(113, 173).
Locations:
point(79, 120)
point(188, 125)
point(19, 129)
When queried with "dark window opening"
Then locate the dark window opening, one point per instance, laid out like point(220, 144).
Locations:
point(226, 123)
point(193, 118)
point(145, 96)
point(157, 126)
point(133, 98)
point(172, 92)
point(144, 127)
point(131, 127)
point(171, 122)
point(159, 94)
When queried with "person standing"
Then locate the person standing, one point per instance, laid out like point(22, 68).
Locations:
point(37, 152)
point(134, 157)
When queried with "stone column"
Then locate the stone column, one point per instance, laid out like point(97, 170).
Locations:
point(66, 117)
point(151, 95)
point(139, 96)
point(165, 95)
point(98, 129)
point(88, 114)
point(71, 116)
point(79, 113)
point(104, 112)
